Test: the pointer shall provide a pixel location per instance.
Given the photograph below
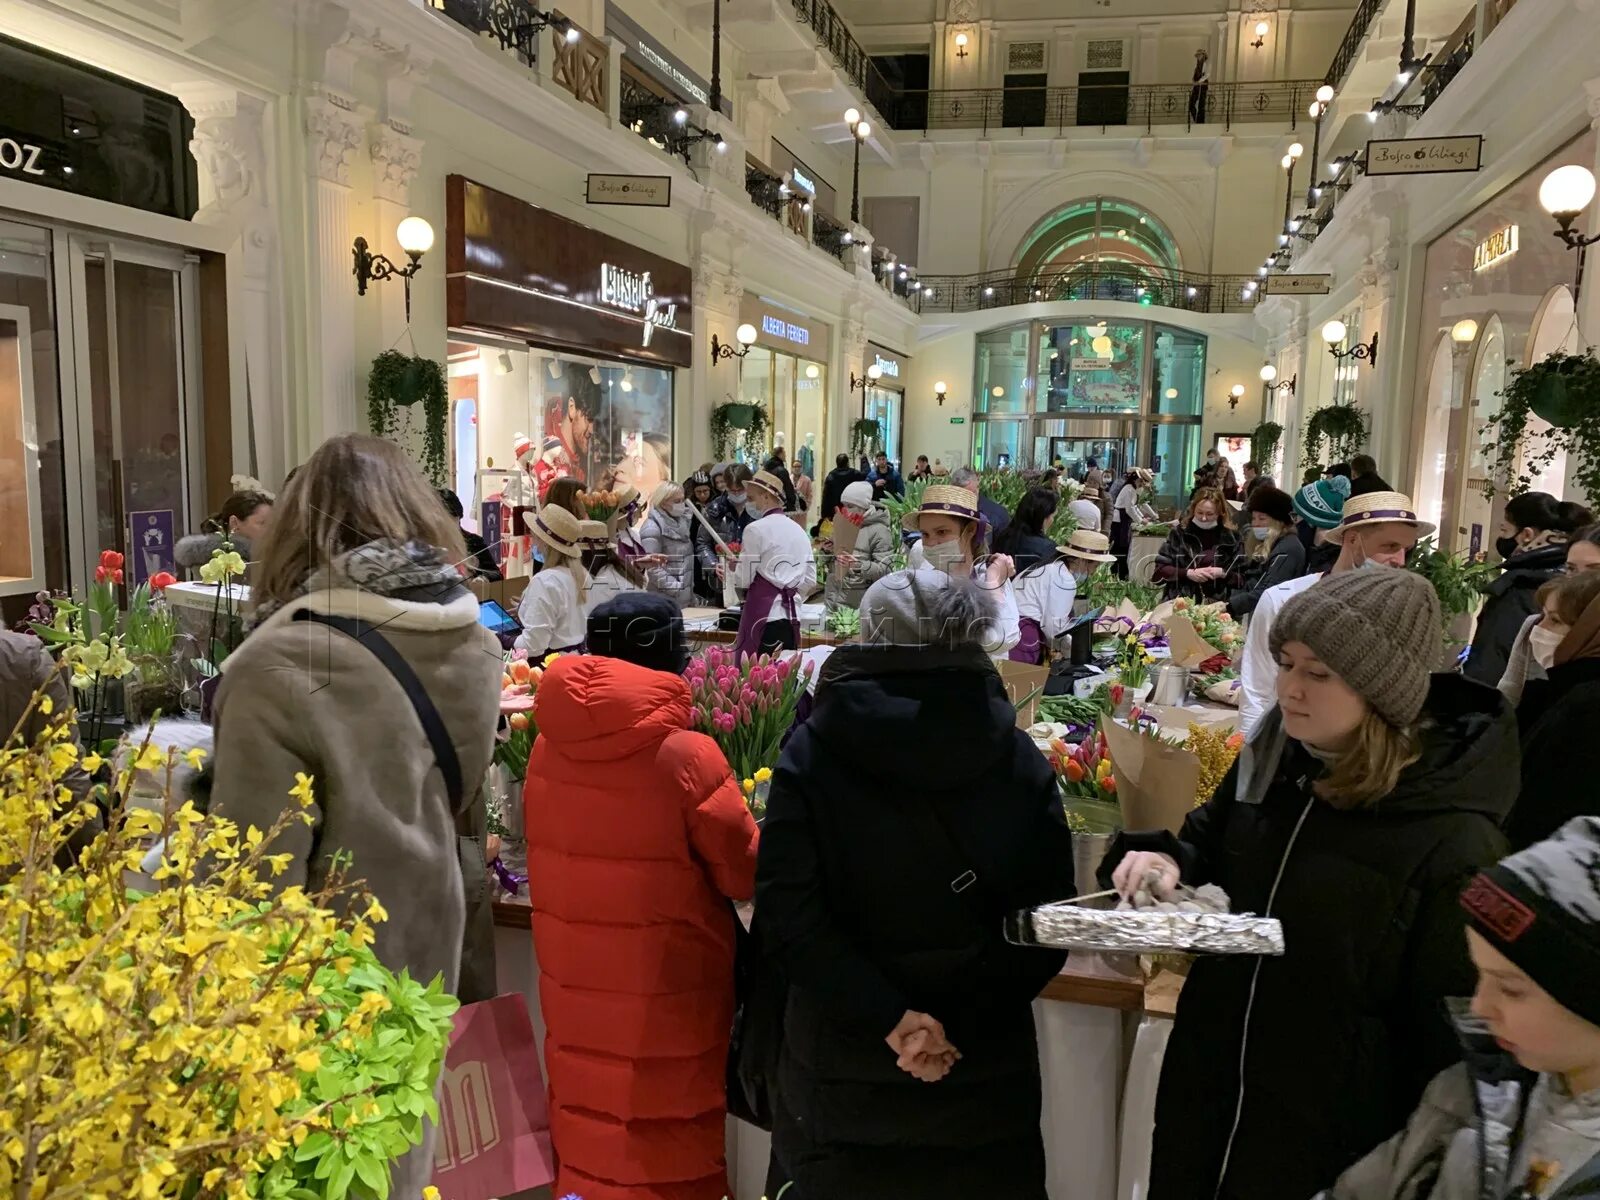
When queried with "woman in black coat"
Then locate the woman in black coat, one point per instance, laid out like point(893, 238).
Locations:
point(1559, 715)
point(1355, 815)
point(1024, 538)
point(1200, 557)
point(907, 817)
point(1276, 554)
point(1533, 542)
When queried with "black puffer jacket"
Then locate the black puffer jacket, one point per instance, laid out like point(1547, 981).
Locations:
point(854, 899)
point(1346, 1029)
point(1510, 602)
point(1559, 717)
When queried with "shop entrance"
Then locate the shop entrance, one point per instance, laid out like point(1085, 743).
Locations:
point(1071, 444)
point(108, 330)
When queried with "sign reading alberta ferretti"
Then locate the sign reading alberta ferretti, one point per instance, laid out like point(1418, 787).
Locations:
point(780, 328)
point(1425, 156)
point(515, 269)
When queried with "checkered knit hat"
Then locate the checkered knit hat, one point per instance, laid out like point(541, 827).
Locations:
point(1541, 909)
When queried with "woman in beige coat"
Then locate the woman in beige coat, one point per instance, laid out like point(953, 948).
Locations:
point(361, 548)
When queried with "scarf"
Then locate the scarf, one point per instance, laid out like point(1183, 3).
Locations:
point(414, 572)
point(1583, 639)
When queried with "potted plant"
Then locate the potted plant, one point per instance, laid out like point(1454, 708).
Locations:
point(1564, 390)
point(736, 422)
point(1264, 445)
point(398, 382)
point(1460, 583)
point(150, 634)
point(866, 435)
point(1342, 426)
point(86, 639)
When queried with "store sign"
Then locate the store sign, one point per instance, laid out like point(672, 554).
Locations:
point(639, 191)
point(803, 181)
point(891, 365)
point(784, 329)
point(520, 271)
point(1299, 285)
point(76, 129)
point(1425, 156)
point(656, 61)
point(1501, 244)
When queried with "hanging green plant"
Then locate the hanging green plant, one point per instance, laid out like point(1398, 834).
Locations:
point(1342, 426)
point(1563, 389)
point(735, 417)
point(866, 435)
point(1264, 445)
point(399, 381)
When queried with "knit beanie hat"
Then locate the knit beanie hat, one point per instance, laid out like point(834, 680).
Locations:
point(1377, 629)
point(1322, 503)
point(642, 628)
point(925, 608)
point(1541, 909)
point(1274, 503)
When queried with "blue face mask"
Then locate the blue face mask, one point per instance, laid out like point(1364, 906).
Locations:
point(1260, 532)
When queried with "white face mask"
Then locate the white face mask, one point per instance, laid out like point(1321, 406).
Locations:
point(1260, 532)
point(944, 556)
point(1543, 643)
point(1199, 524)
point(738, 499)
point(671, 509)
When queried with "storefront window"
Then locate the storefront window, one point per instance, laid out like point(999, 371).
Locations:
point(1180, 372)
point(1091, 368)
point(602, 423)
point(1435, 439)
point(794, 392)
point(32, 500)
point(1002, 383)
point(884, 407)
point(997, 444)
point(1172, 449)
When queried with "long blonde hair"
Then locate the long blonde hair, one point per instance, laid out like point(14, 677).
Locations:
point(1261, 547)
point(1371, 765)
point(353, 490)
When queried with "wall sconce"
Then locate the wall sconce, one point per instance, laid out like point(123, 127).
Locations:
point(1235, 394)
point(415, 237)
point(939, 392)
point(1334, 332)
point(961, 45)
point(746, 337)
point(874, 373)
point(1564, 194)
point(1270, 373)
point(1262, 29)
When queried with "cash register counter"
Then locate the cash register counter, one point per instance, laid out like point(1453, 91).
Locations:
point(1087, 1021)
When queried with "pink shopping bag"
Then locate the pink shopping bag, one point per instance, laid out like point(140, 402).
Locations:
point(494, 1123)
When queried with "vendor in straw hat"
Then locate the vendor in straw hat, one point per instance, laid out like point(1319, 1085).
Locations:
point(775, 568)
point(1376, 530)
point(610, 574)
point(949, 523)
point(552, 611)
point(1047, 591)
point(1085, 508)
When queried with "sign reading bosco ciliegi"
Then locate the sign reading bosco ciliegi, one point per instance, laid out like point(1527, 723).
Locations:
point(1425, 156)
point(641, 191)
point(1299, 285)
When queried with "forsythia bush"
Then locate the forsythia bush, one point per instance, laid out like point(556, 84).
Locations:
point(211, 1037)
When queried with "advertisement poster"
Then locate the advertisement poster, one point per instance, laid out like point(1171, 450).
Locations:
point(489, 523)
point(607, 425)
point(152, 541)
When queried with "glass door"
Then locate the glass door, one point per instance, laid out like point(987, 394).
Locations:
point(1110, 443)
point(21, 533)
point(135, 357)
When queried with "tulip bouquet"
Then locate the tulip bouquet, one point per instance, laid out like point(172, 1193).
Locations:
point(1133, 658)
point(747, 709)
point(1213, 624)
point(1088, 784)
point(518, 683)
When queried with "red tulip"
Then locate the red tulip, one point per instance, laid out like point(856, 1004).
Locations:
point(161, 580)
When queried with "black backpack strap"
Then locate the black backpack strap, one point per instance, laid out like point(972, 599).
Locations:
point(444, 751)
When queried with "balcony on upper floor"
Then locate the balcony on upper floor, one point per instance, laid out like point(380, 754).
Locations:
point(1152, 287)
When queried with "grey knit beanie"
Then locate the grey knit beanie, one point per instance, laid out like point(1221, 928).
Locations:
point(925, 608)
point(1378, 629)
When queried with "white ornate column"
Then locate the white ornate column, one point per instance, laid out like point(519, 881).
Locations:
point(334, 137)
point(396, 157)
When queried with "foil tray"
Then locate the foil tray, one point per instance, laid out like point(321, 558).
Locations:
point(1071, 927)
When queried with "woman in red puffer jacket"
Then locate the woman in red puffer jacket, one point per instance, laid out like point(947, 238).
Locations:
point(638, 838)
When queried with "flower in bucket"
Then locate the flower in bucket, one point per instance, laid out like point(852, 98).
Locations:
point(747, 709)
point(110, 567)
point(518, 683)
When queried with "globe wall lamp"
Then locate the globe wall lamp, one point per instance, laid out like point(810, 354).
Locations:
point(415, 237)
point(1262, 29)
point(746, 337)
point(939, 392)
point(961, 45)
point(1334, 332)
point(1235, 394)
point(874, 373)
point(1564, 194)
point(1463, 331)
point(1269, 374)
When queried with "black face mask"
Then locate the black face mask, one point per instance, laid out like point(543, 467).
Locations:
point(1507, 546)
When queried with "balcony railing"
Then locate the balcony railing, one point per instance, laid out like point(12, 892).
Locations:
point(830, 235)
point(1061, 108)
point(1354, 37)
point(835, 37)
point(509, 22)
point(1184, 290)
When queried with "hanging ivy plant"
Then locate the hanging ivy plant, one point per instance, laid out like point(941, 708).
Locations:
point(733, 417)
point(1342, 426)
point(1563, 389)
point(402, 381)
point(1264, 445)
point(866, 435)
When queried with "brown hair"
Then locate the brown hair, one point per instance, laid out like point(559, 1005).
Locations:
point(1371, 765)
point(1572, 593)
point(737, 475)
point(1200, 496)
point(355, 489)
point(563, 493)
point(239, 506)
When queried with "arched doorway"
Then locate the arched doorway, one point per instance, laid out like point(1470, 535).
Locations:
point(1554, 331)
point(1436, 434)
point(1486, 379)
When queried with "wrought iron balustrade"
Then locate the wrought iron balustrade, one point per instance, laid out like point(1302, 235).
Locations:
point(1186, 290)
point(512, 23)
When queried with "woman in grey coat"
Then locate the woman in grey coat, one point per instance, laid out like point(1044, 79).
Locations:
point(666, 534)
point(873, 556)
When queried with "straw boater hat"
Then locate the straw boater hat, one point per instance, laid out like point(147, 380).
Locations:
point(944, 500)
point(769, 483)
point(1089, 493)
point(556, 528)
point(1085, 543)
point(1145, 474)
point(1378, 508)
point(593, 535)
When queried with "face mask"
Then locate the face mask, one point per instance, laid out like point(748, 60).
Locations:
point(738, 499)
point(1260, 532)
point(1507, 546)
point(1199, 524)
point(671, 510)
point(944, 556)
point(1544, 643)
point(1373, 562)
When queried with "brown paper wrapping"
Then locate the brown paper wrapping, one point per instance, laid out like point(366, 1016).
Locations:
point(845, 536)
point(1188, 648)
point(1156, 781)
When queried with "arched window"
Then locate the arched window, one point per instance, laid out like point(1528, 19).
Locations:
point(1100, 230)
